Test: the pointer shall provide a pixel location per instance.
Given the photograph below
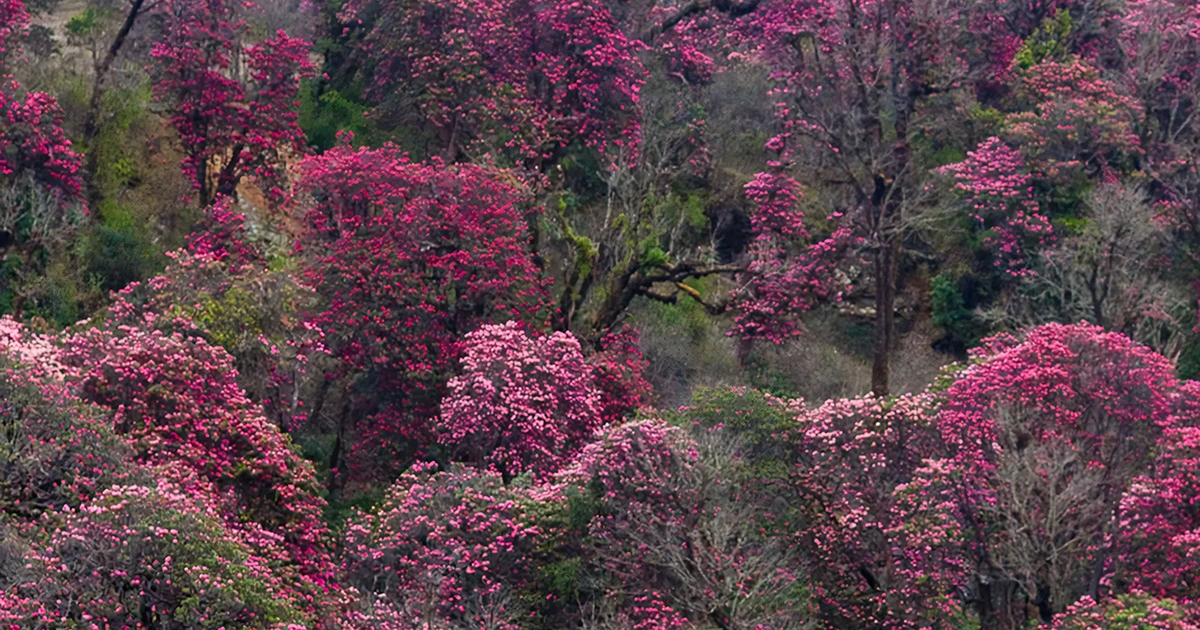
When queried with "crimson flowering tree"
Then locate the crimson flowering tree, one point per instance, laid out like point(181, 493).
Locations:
point(14, 20)
point(412, 257)
point(33, 146)
point(519, 404)
point(444, 549)
point(514, 79)
point(221, 237)
point(997, 192)
point(1159, 546)
point(1077, 122)
point(787, 275)
point(229, 126)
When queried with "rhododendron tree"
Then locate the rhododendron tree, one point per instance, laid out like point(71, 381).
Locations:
point(1078, 123)
point(228, 127)
point(787, 276)
point(412, 257)
point(514, 79)
point(1162, 58)
point(519, 404)
point(41, 185)
point(1159, 545)
point(444, 549)
point(853, 82)
point(1050, 431)
point(883, 540)
point(57, 451)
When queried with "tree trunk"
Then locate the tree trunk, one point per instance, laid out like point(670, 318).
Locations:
point(885, 308)
point(91, 124)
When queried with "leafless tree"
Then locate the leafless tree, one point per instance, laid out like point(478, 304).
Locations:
point(1113, 273)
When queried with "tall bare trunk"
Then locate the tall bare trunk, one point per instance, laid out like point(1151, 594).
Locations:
point(885, 309)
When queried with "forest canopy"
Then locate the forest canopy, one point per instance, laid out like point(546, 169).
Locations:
point(599, 314)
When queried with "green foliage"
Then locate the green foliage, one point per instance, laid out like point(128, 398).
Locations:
point(768, 378)
point(949, 311)
point(115, 251)
point(1188, 364)
point(84, 23)
point(653, 256)
point(324, 115)
point(229, 318)
point(1065, 199)
point(989, 121)
point(1070, 225)
point(686, 315)
point(948, 155)
point(54, 297)
point(90, 23)
point(562, 577)
point(582, 507)
point(948, 307)
point(764, 424)
point(116, 158)
point(1049, 41)
point(10, 267)
point(221, 559)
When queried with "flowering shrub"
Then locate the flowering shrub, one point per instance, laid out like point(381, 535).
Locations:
point(617, 369)
point(145, 554)
point(1079, 122)
point(177, 403)
point(56, 452)
point(520, 404)
point(997, 192)
point(444, 549)
point(1159, 546)
point(1125, 612)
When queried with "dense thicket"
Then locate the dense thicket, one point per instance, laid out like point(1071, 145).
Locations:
point(599, 314)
